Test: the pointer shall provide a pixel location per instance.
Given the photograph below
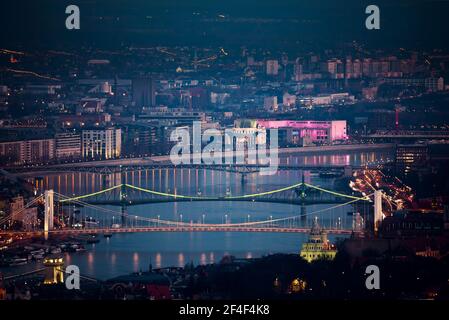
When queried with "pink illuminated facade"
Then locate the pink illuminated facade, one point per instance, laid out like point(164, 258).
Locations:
point(316, 131)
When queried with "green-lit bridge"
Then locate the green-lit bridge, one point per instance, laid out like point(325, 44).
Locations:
point(57, 220)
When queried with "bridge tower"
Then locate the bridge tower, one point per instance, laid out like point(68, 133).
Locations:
point(301, 192)
point(123, 195)
point(378, 216)
point(48, 210)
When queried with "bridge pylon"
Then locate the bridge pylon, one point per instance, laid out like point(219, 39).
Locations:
point(123, 196)
point(48, 211)
point(301, 192)
point(378, 215)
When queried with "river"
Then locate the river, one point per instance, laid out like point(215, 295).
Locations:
point(124, 253)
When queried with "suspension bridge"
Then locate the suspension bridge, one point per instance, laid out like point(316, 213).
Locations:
point(62, 221)
point(127, 194)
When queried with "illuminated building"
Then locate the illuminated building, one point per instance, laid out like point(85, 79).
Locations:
point(272, 67)
point(297, 285)
point(410, 156)
point(318, 246)
point(317, 131)
point(28, 151)
point(54, 272)
point(270, 103)
point(26, 216)
point(247, 133)
point(288, 100)
point(102, 143)
point(68, 145)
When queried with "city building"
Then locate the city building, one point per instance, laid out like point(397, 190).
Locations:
point(12, 152)
point(248, 134)
point(288, 100)
point(171, 117)
point(27, 217)
point(54, 270)
point(38, 151)
point(147, 285)
point(410, 157)
point(430, 84)
point(68, 145)
point(317, 131)
point(101, 143)
point(317, 246)
point(144, 92)
point(92, 105)
point(219, 97)
point(140, 140)
point(270, 103)
point(411, 223)
point(334, 68)
point(29, 151)
point(272, 67)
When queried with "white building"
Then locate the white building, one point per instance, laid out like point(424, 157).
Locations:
point(102, 143)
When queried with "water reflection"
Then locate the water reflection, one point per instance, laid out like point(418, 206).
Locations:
point(181, 262)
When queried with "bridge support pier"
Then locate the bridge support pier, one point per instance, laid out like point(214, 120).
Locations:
point(378, 216)
point(48, 211)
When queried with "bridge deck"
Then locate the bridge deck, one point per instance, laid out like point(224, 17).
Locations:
point(281, 201)
point(178, 229)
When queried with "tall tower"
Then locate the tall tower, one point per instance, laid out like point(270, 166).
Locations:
point(49, 210)
point(377, 210)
